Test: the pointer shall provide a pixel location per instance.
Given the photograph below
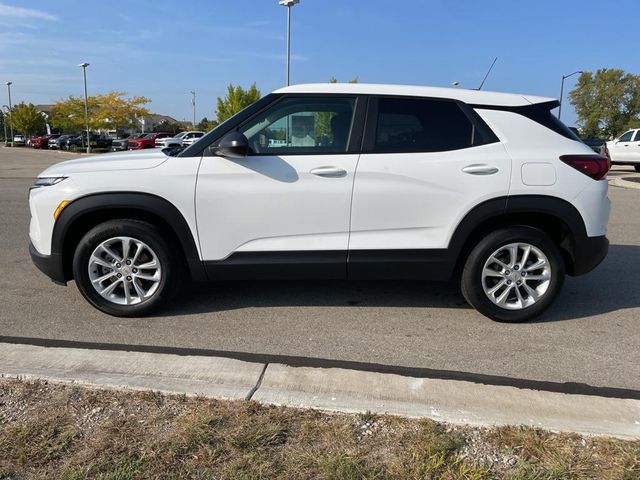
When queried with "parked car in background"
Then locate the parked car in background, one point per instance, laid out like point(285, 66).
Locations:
point(148, 141)
point(191, 137)
point(95, 141)
point(60, 143)
point(624, 150)
point(19, 140)
point(121, 144)
point(173, 141)
point(43, 141)
point(183, 139)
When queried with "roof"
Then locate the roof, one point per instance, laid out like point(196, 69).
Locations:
point(475, 97)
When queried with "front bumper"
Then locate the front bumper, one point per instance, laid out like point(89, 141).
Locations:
point(588, 252)
point(50, 265)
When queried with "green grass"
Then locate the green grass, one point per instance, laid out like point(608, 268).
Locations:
point(69, 432)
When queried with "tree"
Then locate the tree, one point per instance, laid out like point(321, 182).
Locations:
point(2, 126)
point(205, 125)
point(68, 115)
point(606, 102)
point(168, 126)
point(236, 99)
point(26, 119)
point(116, 112)
point(111, 111)
point(322, 121)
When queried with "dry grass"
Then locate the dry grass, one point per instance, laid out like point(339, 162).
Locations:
point(53, 431)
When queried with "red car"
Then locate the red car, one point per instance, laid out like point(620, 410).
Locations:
point(148, 141)
point(42, 141)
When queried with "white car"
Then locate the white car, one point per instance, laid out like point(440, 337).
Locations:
point(624, 150)
point(183, 139)
point(337, 181)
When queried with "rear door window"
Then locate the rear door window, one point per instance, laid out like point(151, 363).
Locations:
point(421, 125)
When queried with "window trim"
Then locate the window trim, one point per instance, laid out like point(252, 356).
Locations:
point(211, 139)
point(484, 135)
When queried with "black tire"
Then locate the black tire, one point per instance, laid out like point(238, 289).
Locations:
point(637, 168)
point(472, 282)
point(148, 233)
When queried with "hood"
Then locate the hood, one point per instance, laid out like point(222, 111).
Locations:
point(107, 162)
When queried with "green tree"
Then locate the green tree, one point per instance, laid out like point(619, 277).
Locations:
point(236, 99)
point(606, 102)
point(168, 126)
point(323, 119)
point(205, 125)
point(2, 126)
point(26, 119)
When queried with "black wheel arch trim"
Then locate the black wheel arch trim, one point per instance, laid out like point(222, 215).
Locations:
point(144, 202)
point(583, 257)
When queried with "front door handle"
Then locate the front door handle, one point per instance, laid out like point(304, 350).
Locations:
point(480, 169)
point(329, 172)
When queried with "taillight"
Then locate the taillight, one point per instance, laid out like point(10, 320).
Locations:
point(594, 166)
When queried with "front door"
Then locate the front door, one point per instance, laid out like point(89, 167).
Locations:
point(621, 151)
point(286, 206)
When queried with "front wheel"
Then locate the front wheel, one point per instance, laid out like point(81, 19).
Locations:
point(513, 274)
point(126, 268)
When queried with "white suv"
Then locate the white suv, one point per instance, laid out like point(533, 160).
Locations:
point(624, 150)
point(183, 139)
point(337, 181)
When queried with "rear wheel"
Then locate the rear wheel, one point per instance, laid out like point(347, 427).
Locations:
point(513, 274)
point(126, 268)
point(637, 167)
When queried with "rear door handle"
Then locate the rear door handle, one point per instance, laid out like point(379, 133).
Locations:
point(480, 169)
point(329, 172)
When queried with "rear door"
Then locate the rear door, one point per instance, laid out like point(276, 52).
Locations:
point(425, 164)
point(286, 206)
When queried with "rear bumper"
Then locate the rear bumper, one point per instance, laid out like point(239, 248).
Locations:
point(50, 265)
point(588, 253)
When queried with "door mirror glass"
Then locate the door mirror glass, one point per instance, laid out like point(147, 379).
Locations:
point(232, 145)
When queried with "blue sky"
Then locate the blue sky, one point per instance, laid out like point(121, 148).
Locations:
point(163, 49)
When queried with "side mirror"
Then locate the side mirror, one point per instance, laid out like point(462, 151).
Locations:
point(232, 145)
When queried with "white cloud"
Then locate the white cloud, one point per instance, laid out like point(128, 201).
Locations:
point(19, 12)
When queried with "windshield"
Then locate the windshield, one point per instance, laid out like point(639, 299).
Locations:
point(180, 135)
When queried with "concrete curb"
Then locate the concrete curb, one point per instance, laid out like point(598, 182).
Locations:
point(619, 182)
point(334, 389)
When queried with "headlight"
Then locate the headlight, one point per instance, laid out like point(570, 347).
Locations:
point(47, 181)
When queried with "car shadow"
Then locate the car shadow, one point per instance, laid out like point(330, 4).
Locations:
point(610, 287)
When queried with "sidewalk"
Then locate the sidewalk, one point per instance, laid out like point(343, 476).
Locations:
point(334, 389)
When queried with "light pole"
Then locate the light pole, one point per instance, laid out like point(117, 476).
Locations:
point(84, 66)
point(562, 90)
point(288, 4)
point(193, 104)
point(10, 108)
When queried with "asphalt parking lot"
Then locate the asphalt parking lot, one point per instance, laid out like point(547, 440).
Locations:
point(590, 336)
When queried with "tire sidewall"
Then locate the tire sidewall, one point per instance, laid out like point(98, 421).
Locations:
point(143, 231)
point(472, 274)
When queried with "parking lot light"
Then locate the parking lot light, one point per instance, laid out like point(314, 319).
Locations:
point(564, 77)
point(8, 84)
point(288, 4)
point(84, 66)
